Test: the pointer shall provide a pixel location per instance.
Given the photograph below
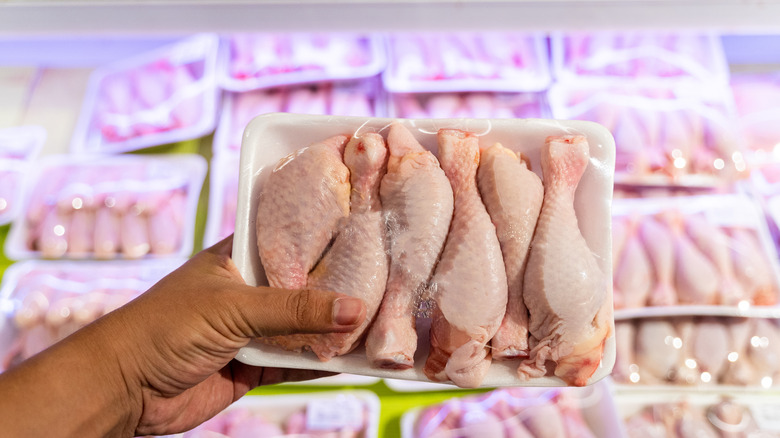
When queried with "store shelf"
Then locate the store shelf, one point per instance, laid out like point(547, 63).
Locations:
point(19, 17)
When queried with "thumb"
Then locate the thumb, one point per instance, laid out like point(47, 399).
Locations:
point(268, 311)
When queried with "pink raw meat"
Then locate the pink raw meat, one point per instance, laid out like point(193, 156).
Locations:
point(633, 277)
point(300, 207)
point(565, 290)
point(659, 244)
point(418, 224)
point(470, 278)
point(513, 197)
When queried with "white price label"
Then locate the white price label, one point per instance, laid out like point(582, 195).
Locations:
point(767, 416)
point(736, 214)
point(335, 414)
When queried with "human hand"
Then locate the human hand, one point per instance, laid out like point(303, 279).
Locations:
point(176, 343)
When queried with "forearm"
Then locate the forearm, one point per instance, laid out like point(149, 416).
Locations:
point(75, 388)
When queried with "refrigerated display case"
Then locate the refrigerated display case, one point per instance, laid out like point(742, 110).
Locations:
point(50, 53)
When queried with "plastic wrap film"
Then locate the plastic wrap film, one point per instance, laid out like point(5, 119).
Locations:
point(466, 61)
point(264, 60)
point(666, 135)
point(701, 351)
point(717, 414)
point(758, 116)
point(280, 137)
point(708, 254)
point(519, 412)
point(19, 147)
point(160, 97)
point(125, 206)
point(469, 105)
point(640, 56)
point(42, 302)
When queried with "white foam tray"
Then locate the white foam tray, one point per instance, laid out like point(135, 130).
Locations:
point(270, 137)
point(189, 168)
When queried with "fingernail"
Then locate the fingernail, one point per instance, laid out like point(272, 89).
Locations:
point(346, 311)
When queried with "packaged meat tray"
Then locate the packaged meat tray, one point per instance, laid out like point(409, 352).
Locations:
point(263, 60)
point(125, 206)
point(344, 98)
point(729, 414)
point(466, 61)
point(686, 255)
point(639, 56)
point(469, 105)
point(18, 148)
point(164, 96)
point(715, 352)
point(671, 135)
point(343, 414)
point(44, 301)
point(519, 412)
point(757, 116)
point(293, 206)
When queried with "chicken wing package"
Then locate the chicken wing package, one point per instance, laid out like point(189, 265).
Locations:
point(726, 414)
point(126, 206)
point(44, 301)
point(164, 96)
point(466, 61)
point(714, 352)
point(469, 105)
point(676, 135)
point(520, 412)
point(18, 148)
point(343, 98)
point(640, 56)
point(263, 60)
point(434, 235)
point(343, 414)
point(684, 255)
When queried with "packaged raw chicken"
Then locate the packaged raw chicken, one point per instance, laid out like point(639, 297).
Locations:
point(466, 61)
point(720, 414)
point(125, 206)
point(44, 301)
point(703, 351)
point(519, 412)
point(758, 117)
point(683, 135)
point(18, 148)
point(344, 414)
point(434, 235)
point(469, 105)
point(639, 56)
point(692, 254)
point(343, 98)
point(264, 60)
point(164, 96)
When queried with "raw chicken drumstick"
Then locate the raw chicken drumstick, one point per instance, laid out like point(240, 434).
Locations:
point(417, 200)
point(513, 197)
point(564, 290)
point(470, 279)
point(300, 207)
point(356, 264)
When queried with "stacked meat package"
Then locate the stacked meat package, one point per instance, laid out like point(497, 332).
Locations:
point(695, 268)
point(18, 148)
